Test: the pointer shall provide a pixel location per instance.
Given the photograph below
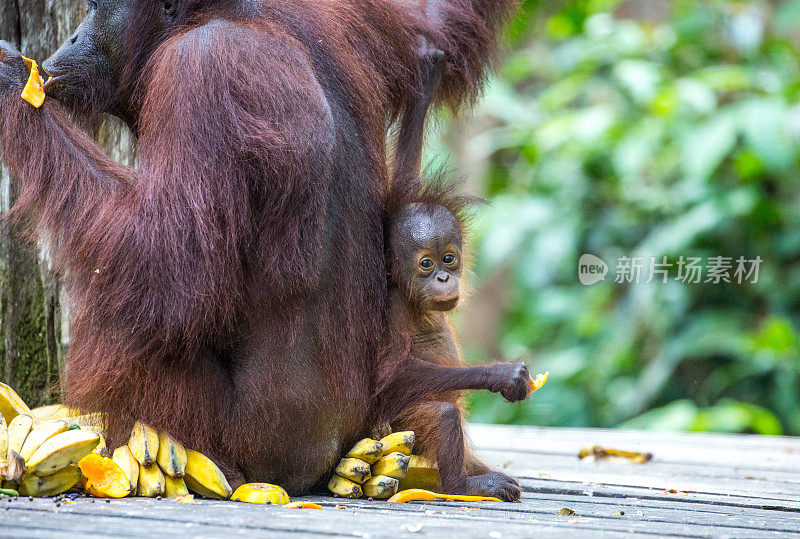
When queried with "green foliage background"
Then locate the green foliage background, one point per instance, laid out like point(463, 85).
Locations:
point(672, 133)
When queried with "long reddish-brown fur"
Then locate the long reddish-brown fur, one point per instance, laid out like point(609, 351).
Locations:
point(231, 289)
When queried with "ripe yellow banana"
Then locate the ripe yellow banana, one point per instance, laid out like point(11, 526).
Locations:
point(355, 470)
point(144, 443)
point(368, 450)
point(204, 477)
point(174, 487)
point(55, 411)
point(394, 465)
point(151, 481)
point(18, 430)
point(261, 493)
point(171, 456)
point(398, 442)
point(3, 439)
point(40, 434)
point(61, 450)
point(344, 487)
point(380, 487)
point(50, 485)
point(129, 465)
point(422, 474)
point(11, 405)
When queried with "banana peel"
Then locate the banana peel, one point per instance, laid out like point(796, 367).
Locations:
point(203, 477)
point(264, 493)
point(103, 477)
point(415, 494)
point(144, 443)
point(171, 456)
point(302, 505)
point(50, 485)
point(61, 450)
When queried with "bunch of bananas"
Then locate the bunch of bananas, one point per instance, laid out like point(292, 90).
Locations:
point(374, 468)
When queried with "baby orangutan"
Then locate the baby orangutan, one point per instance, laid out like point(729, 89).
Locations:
point(425, 266)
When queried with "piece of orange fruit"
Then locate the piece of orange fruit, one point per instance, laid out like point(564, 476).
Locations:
point(33, 92)
point(103, 477)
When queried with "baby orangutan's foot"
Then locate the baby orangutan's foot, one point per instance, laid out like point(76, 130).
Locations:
point(494, 484)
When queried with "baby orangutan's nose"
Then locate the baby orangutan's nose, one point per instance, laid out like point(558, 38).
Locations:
point(442, 276)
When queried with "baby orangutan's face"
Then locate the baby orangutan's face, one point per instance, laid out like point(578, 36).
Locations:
point(426, 254)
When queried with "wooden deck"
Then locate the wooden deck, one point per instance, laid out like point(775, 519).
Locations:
point(696, 485)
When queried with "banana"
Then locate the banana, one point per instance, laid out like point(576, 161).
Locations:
point(398, 442)
point(204, 477)
point(3, 440)
point(368, 450)
point(380, 487)
point(103, 478)
point(11, 405)
point(171, 456)
point(61, 450)
point(174, 487)
point(344, 487)
point(56, 483)
point(18, 430)
point(144, 443)
point(355, 470)
point(151, 481)
point(40, 434)
point(422, 474)
point(261, 493)
point(55, 411)
point(394, 465)
point(102, 448)
point(129, 465)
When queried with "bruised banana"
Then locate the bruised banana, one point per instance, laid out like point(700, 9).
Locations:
point(50, 485)
point(144, 443)
point(355, 470)
point(344, 487)
point(204, 477)
point(398, 442)
point(11, 404)
point(171, 456)
point(129, 465)
point(61, 450)
point(368, 450)
point(18, 430)
point(174, 487)
point(380, 486)
point(393, 465)
point(151, 481)
point(422, 474)
point(261, 493)
point(40, 434)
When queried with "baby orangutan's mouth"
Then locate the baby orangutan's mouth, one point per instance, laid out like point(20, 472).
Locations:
point(445, 303)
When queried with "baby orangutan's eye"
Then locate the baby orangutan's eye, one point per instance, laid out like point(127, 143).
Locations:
point(426, 263)
point(449, 258)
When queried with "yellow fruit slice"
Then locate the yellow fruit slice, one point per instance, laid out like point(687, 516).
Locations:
point(11, 404)
point(128, 464)
point(344, 487)
point(394, 465)
point(18, 430)
point(302, 505)
point(204, 477)
point(144, 443)
point(368, 450)
point(56, 483)
point(171, 457)
point(261, 493)
point(40, 434)
point(33, 92)
point(422, 474)
point(175, 487)
point(103, 477)
point(61, 450)
point(539, 381)
point(151, 481)
point(398, 442)
point(355, 470)
point(416, 494)
point(380, 487)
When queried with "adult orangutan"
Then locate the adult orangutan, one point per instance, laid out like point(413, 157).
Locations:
point(231, 289)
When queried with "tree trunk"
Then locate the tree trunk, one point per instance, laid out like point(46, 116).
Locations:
point(34, 319)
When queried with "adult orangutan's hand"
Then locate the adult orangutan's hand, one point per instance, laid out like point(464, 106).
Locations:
point(13, 71)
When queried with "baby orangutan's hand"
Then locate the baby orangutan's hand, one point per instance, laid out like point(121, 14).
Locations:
point(13, 71)
point(511, 380)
